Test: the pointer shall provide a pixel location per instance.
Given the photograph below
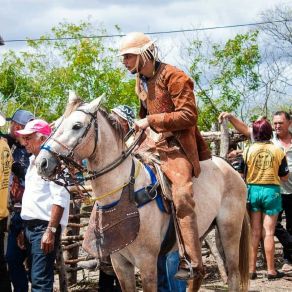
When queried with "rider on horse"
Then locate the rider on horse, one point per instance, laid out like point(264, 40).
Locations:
point(168, 107)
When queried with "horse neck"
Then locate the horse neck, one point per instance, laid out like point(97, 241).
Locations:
point(110, 147)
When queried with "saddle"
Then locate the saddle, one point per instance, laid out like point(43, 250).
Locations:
point(163, 181)
point(147, 153)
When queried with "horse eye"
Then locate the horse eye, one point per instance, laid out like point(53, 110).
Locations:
point(77, 126)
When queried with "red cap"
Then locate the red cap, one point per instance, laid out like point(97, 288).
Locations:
point(36, 126)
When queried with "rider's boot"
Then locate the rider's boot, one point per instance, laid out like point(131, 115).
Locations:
point(191, 241)
point(192, 268)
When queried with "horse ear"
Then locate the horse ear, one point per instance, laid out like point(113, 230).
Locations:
point(94, 105)
point(72, 97)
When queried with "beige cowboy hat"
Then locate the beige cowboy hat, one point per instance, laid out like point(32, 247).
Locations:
point(135, 43)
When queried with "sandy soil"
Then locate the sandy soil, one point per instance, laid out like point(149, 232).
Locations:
point(213, 281)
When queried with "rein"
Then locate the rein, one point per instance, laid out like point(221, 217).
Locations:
point(90, 200)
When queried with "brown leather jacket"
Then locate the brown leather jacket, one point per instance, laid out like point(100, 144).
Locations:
point(170, 106)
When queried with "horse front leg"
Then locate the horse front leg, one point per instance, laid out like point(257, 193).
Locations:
point(148, 270)
point(125, 272)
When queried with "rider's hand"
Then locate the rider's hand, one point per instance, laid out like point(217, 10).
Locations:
point(141, 124)
point(48, 241)
point(224, 115)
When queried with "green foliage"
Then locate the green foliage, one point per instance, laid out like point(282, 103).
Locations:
point(224, 75)
point(39, 79)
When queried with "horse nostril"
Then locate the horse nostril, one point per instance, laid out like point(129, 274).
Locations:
point(44, 164)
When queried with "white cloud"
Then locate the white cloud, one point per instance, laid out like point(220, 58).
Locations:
point(20, 19)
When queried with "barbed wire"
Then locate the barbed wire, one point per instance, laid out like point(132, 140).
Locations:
point(150, 33)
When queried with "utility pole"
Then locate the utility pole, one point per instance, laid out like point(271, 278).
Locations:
point(1, 41)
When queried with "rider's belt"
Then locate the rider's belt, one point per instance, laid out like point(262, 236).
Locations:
point(35, 222)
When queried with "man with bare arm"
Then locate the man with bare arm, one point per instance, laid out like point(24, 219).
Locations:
point(283, 139)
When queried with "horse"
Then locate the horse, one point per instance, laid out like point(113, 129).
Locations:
point(219, 192)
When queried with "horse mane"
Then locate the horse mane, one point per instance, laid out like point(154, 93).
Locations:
point(113, 121)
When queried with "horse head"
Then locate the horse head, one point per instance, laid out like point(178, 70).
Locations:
point(79, 134)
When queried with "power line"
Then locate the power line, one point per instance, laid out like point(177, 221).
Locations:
point(151, 33)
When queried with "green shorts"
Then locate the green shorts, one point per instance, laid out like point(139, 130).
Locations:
point(265, 198)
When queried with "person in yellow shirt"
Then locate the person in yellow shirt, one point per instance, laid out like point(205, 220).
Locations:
point(264, 166)
point(5, 170)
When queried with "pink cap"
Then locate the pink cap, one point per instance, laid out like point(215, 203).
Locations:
point(36, 126)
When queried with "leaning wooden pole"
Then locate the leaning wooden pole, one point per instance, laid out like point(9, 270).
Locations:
point(224, 141)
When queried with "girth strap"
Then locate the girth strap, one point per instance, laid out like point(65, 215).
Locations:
point(146, 194)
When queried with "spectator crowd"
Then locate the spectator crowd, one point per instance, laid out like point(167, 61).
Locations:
point(38, 210)
point(266, 166)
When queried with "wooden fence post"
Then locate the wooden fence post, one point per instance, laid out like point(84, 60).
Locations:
point(70, 254)
point(224, 141)
point(63, 282)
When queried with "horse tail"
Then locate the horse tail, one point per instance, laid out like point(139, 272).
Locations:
point(244, 248)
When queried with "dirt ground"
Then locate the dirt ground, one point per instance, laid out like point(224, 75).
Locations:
point(212, 282)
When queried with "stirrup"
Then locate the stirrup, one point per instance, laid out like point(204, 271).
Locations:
point(185, 270)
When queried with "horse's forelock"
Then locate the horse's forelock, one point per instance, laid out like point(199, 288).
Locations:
point(113, 121)
point(73, 106)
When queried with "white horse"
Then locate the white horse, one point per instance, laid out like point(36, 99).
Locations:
point(220, 195)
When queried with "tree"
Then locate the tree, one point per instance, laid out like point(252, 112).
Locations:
point(39, 79)
point(224, 75)
point(276, 45)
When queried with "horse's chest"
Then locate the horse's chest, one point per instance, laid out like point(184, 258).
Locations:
point(112, 229)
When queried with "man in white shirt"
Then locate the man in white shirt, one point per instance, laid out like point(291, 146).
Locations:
point(45, 209)
point(283, 139)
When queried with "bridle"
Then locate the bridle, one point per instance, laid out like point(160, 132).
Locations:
point(70, 154)
point(66, 161)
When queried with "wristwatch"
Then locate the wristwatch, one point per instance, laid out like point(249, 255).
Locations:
point(52, 229)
